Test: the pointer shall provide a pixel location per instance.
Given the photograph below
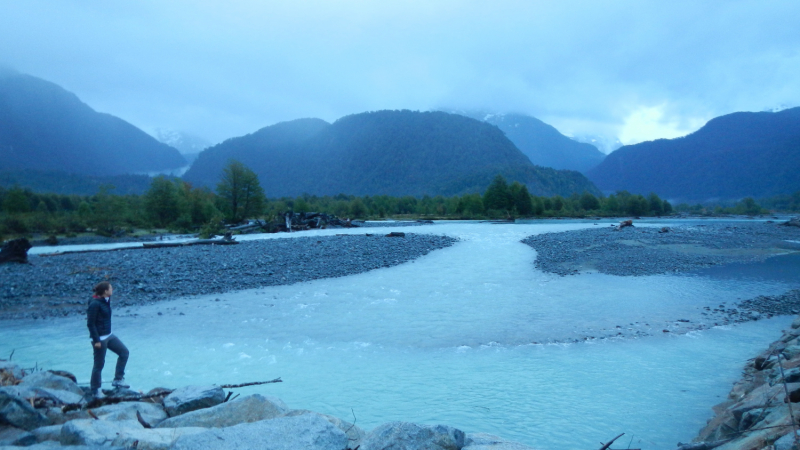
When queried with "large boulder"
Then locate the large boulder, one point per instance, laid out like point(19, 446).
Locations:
point(49, 380)
point(248, 409)
point(412, 436)
point(152, 439)
point(15, 250)
point(48, 445)
point(95, 432)
point(16, 411)
point(150, 412)
point(484, 441)
point(307, 431)
point(15, 436)
point(53, 396)
point(192, 398)
point(49, 433)
point(354, 434)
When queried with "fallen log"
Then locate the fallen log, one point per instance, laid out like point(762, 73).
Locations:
point(188, 243)
point(110, 400)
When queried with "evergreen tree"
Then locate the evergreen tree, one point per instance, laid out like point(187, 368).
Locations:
point(161, 201)
point(498, 196)
point(589, 202)
point(16, 201)
point(656, 205)
point(522, 199)
point(240, 192)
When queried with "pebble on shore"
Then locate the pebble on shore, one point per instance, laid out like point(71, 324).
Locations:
point(52, 286)
point(637, 251)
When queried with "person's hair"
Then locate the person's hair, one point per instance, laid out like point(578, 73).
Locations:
point(101, 288)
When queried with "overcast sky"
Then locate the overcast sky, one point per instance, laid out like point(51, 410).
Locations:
point(637, 69)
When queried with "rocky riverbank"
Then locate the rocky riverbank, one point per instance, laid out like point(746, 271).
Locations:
point(47, 410)
point(636, 251)
point(60, 285)
point(760, 408)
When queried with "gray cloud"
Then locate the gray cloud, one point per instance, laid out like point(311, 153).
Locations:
point(222, 69)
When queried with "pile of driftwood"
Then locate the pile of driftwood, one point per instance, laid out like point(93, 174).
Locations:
point(290, 221)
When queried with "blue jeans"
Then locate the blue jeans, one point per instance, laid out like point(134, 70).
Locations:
point(115, 345)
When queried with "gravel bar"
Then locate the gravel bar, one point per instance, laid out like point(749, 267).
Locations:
point(636, 251)
point(61, 285)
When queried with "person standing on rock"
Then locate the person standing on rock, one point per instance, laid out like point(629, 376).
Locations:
point(98, 319)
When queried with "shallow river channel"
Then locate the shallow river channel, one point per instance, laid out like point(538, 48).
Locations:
point(471, 336)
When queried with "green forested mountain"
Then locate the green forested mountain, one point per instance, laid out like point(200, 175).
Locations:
point(44, 127)
point(64, 183)
point(738, 155)
point(543, 144)
point(383, 153)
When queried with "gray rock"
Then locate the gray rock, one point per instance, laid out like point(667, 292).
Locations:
point(248, 409)
point(151, 412)
point(354, 434)
point(792, 375)
point(94, 432)
point(484, 441)
point(12, 368)
point(192, 398)
point(50, 380)
point(411, 436)
point(16, 411)
point(61, 397)
point(152, 439)
point(791, 352)
point(307, 431)
point(47, 445)
point(15, 436)
point(785, 442)
point(751, 417)
point(49, 433)
point(796, 323)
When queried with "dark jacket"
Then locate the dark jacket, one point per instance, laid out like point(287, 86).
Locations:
point(98, 318)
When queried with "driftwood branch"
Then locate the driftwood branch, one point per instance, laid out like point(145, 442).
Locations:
point(113, 400)
point(142, 421)
point(255, 383)
point(608, 444)
point(97, 402)
point(188, 243)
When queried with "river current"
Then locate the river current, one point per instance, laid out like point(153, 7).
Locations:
point(471, 336)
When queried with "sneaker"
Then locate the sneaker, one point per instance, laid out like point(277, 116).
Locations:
point(97, 393)
point(120, 383)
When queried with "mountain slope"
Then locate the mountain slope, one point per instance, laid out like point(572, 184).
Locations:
point(45, 127)
point(383, 153)
point(732, 156)
point(543, 144)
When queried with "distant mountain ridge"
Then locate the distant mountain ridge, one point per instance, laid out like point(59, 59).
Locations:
point(744, 154)
point(383, 153)
point(44, 127)
point(57, 182)
point(543, 144)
